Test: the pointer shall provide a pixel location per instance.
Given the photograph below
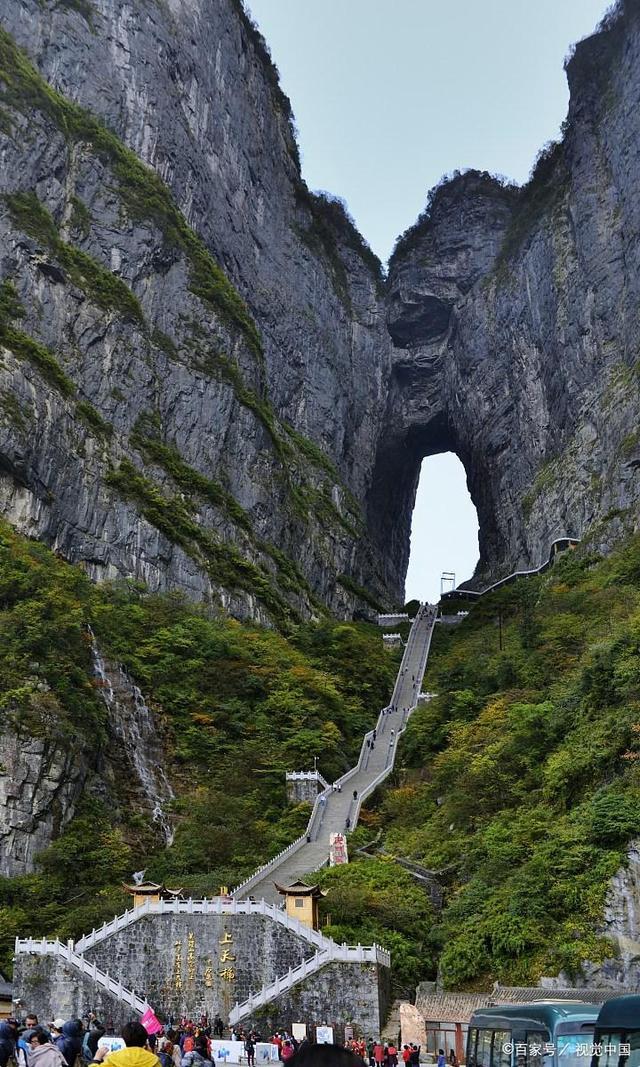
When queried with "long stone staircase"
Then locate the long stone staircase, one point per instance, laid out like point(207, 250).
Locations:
point(338, 809)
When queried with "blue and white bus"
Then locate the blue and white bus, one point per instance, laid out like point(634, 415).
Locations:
point(551, 1033)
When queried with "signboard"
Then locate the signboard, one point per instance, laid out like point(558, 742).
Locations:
point(114, 1044)
point(348, 1033)
point(151, 1022)
point(299, 1031)
point(337, 849)
point(324, 1035)
point(234, 1052)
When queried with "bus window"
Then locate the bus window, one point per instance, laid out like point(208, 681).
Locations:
point(619, 1049)
point(610, 1050)
point(633, 1041)
point(472, 1040)
point(483, 1055)
point(536, 1041)
point(500, 1058)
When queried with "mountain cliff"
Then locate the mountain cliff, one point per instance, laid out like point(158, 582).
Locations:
point(514, 313)
point(195, 346)
point(208, 384)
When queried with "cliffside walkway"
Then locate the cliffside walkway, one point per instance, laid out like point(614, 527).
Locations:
point(559, 545)
point(334, 811)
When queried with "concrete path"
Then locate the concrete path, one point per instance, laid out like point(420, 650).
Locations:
point(340, 810)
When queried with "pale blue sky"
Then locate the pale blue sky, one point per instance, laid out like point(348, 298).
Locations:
point(391, 94)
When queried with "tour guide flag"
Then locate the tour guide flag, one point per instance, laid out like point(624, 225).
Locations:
point(151, 1022)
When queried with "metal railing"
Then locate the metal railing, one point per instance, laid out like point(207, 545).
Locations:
point(335, 953)
point(464, 594)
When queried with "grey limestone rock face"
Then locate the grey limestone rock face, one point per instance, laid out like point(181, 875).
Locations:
point(46, 768)
point(507, 332)
point(187, 88)
point(40, 781)
point(205, 383)
point(514, 314)
point(621, 924)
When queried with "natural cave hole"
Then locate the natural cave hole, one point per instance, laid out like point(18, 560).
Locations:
point(444, 528)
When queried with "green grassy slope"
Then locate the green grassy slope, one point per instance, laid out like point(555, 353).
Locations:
point(239, 705)
point(519, 784)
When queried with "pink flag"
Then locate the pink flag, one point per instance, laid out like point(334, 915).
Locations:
point(151, 1022)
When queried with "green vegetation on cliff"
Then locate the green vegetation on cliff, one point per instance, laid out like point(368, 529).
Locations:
point(143, 192)
point(238, 706)
point(520, 783)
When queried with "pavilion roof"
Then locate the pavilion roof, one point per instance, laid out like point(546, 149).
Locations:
point(301, 889)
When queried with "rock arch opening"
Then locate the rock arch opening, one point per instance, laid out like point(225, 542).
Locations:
point(444, 527)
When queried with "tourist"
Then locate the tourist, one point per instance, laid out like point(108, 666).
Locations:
point(378, 1053)
point(415, 1056)
point(169, 1054)
point(187, 1040)
point(406, 1053)
point(7, 1044)
point(218, 1027)
point(392, 1055)
point(69, 1040)
point(442, 1059)
point(41, 1051)
point(199, 1056)
point(287, 1051)
point(250, 1049)
point(91, 1038)
point(370, 1049)
point(22, 1044)
point(135, 1054)
point(55, 1029)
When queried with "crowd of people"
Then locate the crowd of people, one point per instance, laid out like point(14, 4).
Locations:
point(71, 1043)
point(379, 1054)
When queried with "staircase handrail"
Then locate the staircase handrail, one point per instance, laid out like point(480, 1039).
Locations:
point(206, 906)
point(66, 952)
point(367, 790)
point(336, 953)
point(457, 594)
point(316, 814)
